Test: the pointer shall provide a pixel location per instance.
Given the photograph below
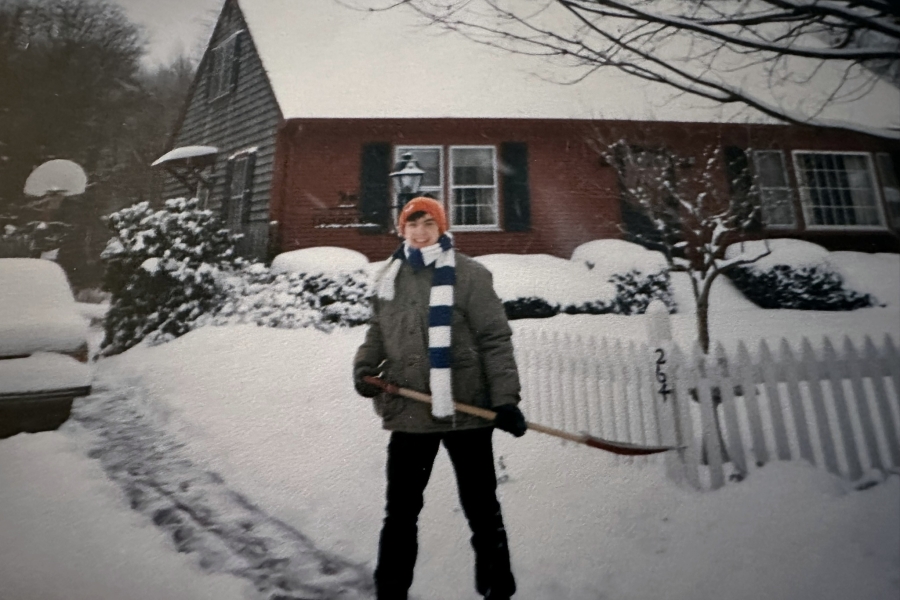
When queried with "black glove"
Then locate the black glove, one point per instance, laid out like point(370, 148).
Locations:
point(363, 388)
point(510, 419)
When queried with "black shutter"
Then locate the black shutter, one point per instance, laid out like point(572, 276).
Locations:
point(374, 184)
point(516, 194)
point(226, 192)
point(235, 66)
point(247, 196)
point(740, 185)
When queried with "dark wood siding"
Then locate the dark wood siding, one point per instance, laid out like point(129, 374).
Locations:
point(248, 117)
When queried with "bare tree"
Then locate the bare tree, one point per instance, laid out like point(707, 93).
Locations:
point(688, 216)
point(738, 52)
point(72, 86)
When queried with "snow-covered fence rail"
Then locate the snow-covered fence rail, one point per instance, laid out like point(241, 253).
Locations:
point(836, 407)
point(597, 386)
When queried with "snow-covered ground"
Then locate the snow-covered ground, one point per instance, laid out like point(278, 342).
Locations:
point(251, 451)
point(67, 533)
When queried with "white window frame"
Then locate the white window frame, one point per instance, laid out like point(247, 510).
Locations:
point(496, 187)
point(787, 187)
point(805, 200)
point(222, 80)
point(398, 154)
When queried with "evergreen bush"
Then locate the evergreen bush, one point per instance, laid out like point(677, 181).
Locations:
point(634, 292)
point(808, 287)
point(163, 270)
point(258, 295)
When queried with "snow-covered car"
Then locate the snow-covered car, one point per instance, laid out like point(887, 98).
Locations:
point(43, 346)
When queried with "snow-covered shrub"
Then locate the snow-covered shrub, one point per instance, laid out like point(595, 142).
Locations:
point(320, 259)
point(163, 270)
point(875, 274)
point(262, 296)
point(540, 285)
point(796, 274)
point(638, 274)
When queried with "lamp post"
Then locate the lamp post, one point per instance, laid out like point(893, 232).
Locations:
point(407, 176)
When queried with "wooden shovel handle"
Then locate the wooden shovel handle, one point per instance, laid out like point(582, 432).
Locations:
point(623, 448)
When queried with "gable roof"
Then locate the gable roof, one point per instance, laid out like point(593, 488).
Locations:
point(325, 60)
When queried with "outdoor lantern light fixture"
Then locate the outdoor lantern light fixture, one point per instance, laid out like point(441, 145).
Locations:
point(407, 176)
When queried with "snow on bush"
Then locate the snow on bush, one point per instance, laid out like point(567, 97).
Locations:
point(322, 259)
point(638, 274)
point(162, 269)
point(797, 274)
point(262, 296)
point(540, 285)
point(875, 274)
point(609, 257)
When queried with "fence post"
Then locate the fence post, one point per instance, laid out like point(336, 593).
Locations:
point(659, 336)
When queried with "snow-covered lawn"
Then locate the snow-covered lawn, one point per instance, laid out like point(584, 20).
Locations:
point(274, 412)
point(67, 533)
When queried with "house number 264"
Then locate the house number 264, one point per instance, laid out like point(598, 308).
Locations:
point(660, 375)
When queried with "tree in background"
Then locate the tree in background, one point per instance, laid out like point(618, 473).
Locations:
point(684, 209)
point(738, 52)
point(74, 88)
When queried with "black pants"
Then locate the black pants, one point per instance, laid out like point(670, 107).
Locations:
point(410, 458)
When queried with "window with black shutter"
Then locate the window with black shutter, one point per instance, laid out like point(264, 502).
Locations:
point(238, 190)
point(224, 63)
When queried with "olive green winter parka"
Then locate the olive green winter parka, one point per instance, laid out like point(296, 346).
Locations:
point(483, 368)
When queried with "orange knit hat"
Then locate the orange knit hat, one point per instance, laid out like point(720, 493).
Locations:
point(426, 205)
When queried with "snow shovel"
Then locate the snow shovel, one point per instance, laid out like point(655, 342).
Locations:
point(623, 448)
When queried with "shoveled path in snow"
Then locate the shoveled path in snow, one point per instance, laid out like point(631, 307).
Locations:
point(226, 531)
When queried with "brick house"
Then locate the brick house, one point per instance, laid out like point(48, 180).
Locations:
point(304, 112)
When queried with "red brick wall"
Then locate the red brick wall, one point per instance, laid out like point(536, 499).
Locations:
point(574, 196)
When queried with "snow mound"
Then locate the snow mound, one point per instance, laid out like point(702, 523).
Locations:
point(556, 280)
point(322, 259)
point(608, 257)
point(785, 251)
point(875, 274)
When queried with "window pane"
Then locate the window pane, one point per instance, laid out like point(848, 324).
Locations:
point(839, 189)
point(429, 160)
point(473, 166)
point(770, 168)
point(474, 206)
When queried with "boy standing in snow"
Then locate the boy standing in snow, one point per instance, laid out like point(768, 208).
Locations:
point(437, 326)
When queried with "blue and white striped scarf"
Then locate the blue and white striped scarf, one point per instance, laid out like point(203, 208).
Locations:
point(440, 311)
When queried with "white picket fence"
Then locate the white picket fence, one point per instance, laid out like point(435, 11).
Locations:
point(836, 408)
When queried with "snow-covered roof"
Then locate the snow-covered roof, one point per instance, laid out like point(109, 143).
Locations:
point(185, 153)
point(326, 60)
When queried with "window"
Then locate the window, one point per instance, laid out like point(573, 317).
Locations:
point(837, 189)
point(775, 196)
point(472, 177)
point(890, 188)
point(473, 187)
point(223, 68)
point(239, 190)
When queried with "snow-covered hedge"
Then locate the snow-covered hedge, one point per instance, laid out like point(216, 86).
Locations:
point(266, 297)
point(163, 270)
point(797, 274)
point(599, 279)
point(638, 274)
point(329, 260)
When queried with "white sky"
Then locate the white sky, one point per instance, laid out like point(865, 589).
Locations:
point(173, 26)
